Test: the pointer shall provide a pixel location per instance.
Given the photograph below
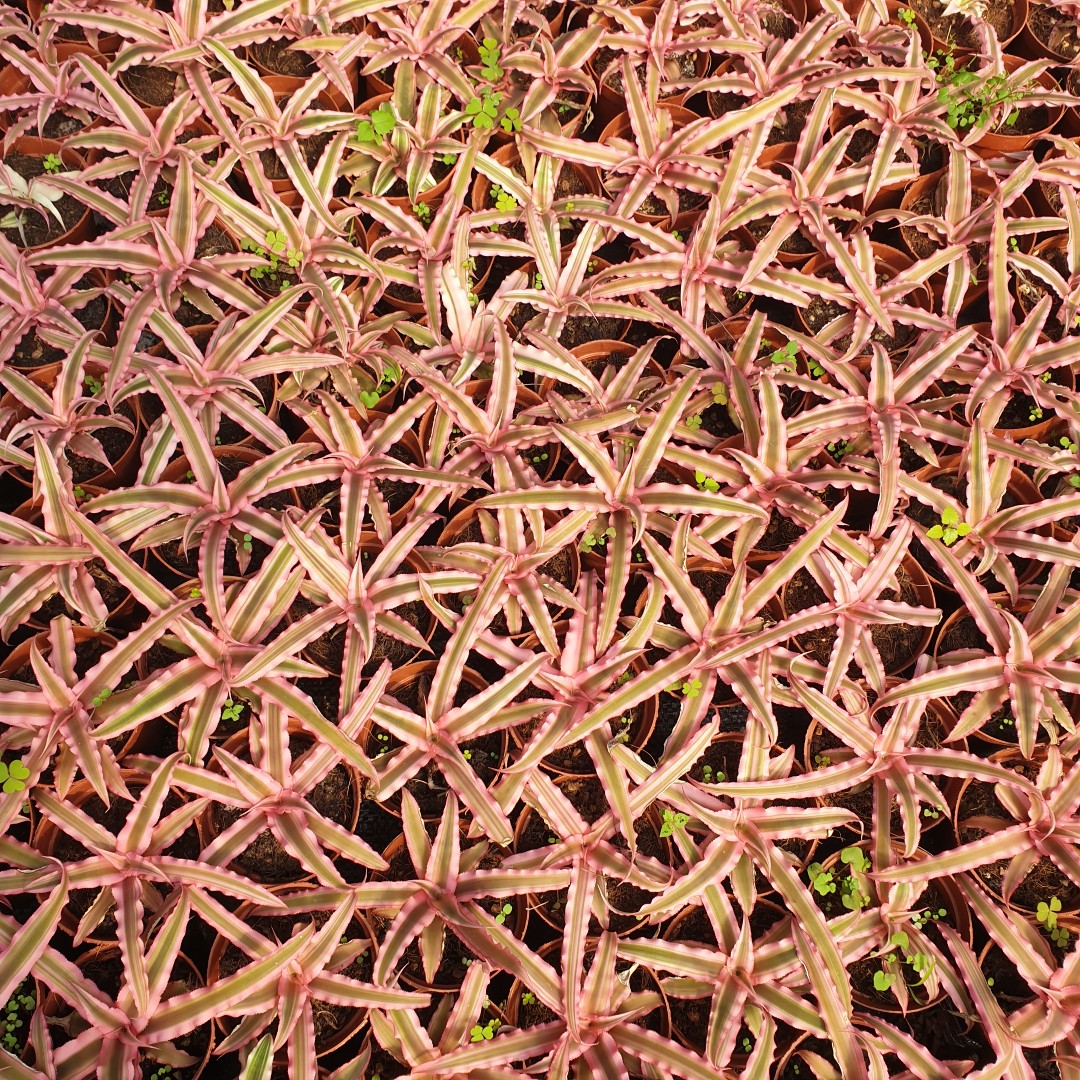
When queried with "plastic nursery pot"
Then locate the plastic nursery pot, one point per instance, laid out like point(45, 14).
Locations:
point(225, 959)
point(292, 68)
point(49, 840)
point(898, 651)
point(1048, 32)
point(889, 262)
point(442, 174)
point(70, 39)
point(975, 802)
point(947, 32)
point(797, 248)
point(925, 196)
point(940, 894)
point(104, 967)
point(1030, 289)
point(687, 68)
point(456, 955)
point(524, 1015)
point(478, 389)
point(410, 685)
point(78, 222)
point(1034, 121)
point(654, 210)
point(336, 797)
point(533, 834)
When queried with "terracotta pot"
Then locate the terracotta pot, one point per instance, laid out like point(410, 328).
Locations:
point(778, 159)
point(1020, 900)
point(461, 51)
point(1005, 142)
point(32, 146)
point(1020, 13)
point(1031, 45)
point(620, 127)
point(237, 744)
point(247, 910)
point(294, 82)
point(611, 101)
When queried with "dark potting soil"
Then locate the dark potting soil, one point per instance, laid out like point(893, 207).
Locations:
point(1057, 30)
point(820, 312)
point(312, 148)
point(654, 206)
point(31, 352)
point(92, 315)
point(114, 441)
point(798, 243)
point(332, 797)
point(895, 642)
point(1030, 119)
point(608, 63)
point(39, 227)
point(87, 654)
point(1018, 412)
point(150, 85)
point(959, 31)
point(229, 431)
point(789, 123)
point(214, 241)
point(780, 533)
point(60, 126)
point(276, 56)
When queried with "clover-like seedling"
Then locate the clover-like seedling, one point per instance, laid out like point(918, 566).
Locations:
point(672, 821)
point(483, 110)
point(52, 163)
point(511, 121)
point(13, 776)
point(528, 998)
point(822, 761)
point(821, 879)
point(376, 125)
point(856, 859)
point(951, 528)
point(1046, 914)
point(447, 159)
point(195, 593)
point(504, 201)
point(907, 17)
point(369, 398)
point(467, 755)
point(785, 357)
point(883, 981)
point(815, 369)
point(480, 1032)
point(719, 394)
point(422, 212)
point(93, 384)
point(839, 448)
point(676, 234)
point(505, 910)
point(691, 688)
point(693, 422)
point(490, 54)
point(705, 483)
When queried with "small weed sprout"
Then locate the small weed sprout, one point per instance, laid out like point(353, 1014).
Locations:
point(672, 821)
point(1046, 914)
point(951, 528)
point(13, 776)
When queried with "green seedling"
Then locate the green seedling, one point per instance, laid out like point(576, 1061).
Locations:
point(231, 711)
point(505, 910)
point(504, 201)
point(528, 998)
point(447, 159)
point(480, 1032)
point(483, 110)
point(376, 125)
point(511, 121)
point(815, 369)
point(195, 593)
point(422, 212)
point(673, 821)
point(720, 394)
point(591, 541)
point(907, 17)
point(822, 880)
point(247, 541)
point(13, 776)
point(93, 384)
point(822, 761)
point(382, 741)
point(1046, 914)
point(693, 422)
point(839, 448)
point(711, 777)
point(785, 357)
point(924, 918)
point(101, 697)
point(490, 54)
point(52, 164)
point(690, 688)
point(969, 98)
point(951, 528)
point(78, 492)
point(706, 483)
point(1067, 444)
